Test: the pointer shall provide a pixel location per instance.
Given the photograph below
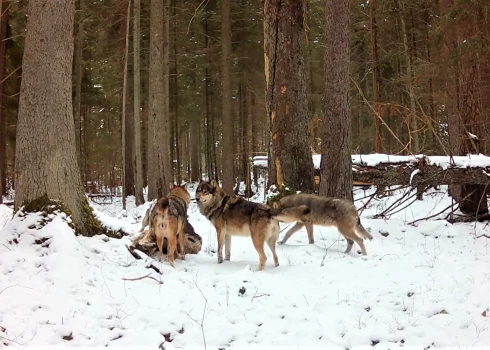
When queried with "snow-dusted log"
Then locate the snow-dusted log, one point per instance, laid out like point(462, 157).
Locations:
point(386, 170)
point(420, 173)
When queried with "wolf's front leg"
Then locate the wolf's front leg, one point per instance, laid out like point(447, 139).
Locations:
point(220, 231)
point(227, 247)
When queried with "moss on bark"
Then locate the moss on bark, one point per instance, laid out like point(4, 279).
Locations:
point(282, 192)
point(92, 226)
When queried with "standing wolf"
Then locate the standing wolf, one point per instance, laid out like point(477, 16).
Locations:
point(327, 211)
point(235, 216)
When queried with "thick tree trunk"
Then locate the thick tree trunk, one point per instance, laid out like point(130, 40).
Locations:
point(286, 92)
point(465, 129)
point(78, 79)
point(46, 164)
point(159, 165)
point(474, 197)
point(3, 145)
point(138, 170)
point(336, 164)
point(226, 108)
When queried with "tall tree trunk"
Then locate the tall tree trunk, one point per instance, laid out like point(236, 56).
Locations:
point(175, 80)
point(144, 114)
point(255, 136)
point(286, 92)
point(3, 124)
point(159, 165)
point(428, 16)
point(226, 107)
point(465, 129)
point(411, 91)
point(247, 140)
point(378, 145)
point(46, 163)
point(138, 170)
point(474, 197)
point(210, 140)
point(78, 61)
point(194, 130)
point(123, 107)
point(336, 164)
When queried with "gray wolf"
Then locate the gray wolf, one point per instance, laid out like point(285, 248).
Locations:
point(146, 242)
point(235, 216)
point(168, 219)
point(327, 211)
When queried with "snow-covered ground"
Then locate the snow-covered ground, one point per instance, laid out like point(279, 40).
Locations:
point(420, 286)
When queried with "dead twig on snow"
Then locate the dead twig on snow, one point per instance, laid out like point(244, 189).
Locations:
point(143, 277)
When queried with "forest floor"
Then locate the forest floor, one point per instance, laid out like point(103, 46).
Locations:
point(425, 285)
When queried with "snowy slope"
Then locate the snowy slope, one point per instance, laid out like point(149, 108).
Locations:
point(420, 286)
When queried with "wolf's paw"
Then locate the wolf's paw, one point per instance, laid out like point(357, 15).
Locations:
point(281, 242)
point(227, 258)
point(220, 259)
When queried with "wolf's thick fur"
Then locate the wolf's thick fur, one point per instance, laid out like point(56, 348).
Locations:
point(327, 211)
point(168, 218)
point(146, 242)
point(235, 216)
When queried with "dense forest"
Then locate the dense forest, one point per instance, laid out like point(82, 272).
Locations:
point(241, 174)
point(174, 91)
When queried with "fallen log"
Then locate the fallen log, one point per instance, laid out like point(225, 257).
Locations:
point(420, 173)
point(419, 170)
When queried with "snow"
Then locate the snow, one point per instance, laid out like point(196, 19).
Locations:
point(420, 285)
point(469, 161)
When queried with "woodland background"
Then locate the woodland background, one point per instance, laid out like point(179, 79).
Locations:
point(419, 73)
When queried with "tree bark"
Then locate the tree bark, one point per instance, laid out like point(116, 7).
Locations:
point(46, 164)
point(159, 165)
point(336, 164)
point(138, 169)
point(78, 79)
point(3, 145)
point(378, 144)
point(226, 107)
point(211, 170)
point(247, 133)
point(123, 107)
point(194, 132)
point(286, 92)
point(465, 129)
point(414, 134)
point(175, 80)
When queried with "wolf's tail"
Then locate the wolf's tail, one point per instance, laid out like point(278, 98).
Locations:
point(291, 214)
point(362, 231)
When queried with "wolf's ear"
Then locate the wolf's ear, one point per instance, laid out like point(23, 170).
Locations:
point(214, 183)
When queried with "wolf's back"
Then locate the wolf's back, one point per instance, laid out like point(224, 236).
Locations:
point(290, 214)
